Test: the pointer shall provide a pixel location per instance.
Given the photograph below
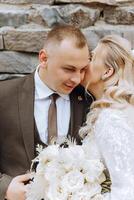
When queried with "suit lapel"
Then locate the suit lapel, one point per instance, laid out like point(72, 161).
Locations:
point(26, 113)
point(77, 113)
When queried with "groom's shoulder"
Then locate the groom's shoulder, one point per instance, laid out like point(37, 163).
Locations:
point(11, 85)
point(17, 80)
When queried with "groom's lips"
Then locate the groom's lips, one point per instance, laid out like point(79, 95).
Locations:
point(71, 87)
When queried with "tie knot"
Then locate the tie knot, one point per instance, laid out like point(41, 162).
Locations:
point(54, 96)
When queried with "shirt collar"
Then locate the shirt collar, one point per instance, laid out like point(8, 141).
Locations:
point(42, 90)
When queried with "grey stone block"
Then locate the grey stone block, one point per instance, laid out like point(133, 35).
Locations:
point(1, 42)
point(49, 2)
point(16, 15)
point(13, 17)
point(51, 16)
point(27, 1)
point(124, 1)
point(120, 15)
point(94, 34)
point(30, 38)
point(108, 2)
point(17, 63)
point(35, 17)
point(129, 34)
point(79, 15)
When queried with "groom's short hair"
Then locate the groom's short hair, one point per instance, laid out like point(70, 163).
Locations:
point(61, 32)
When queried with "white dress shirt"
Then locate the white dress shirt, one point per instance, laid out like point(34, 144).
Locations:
point(41, 106)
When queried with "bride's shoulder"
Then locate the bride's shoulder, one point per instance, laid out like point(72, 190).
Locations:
point(115, 118)
point(110, 113)
point(122, 113)
point(109, 120)
point(110, 117)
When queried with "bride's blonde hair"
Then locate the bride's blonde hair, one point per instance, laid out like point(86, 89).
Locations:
point(119, 88)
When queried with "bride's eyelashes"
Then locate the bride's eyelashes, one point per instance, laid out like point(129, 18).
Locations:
point(90, 57)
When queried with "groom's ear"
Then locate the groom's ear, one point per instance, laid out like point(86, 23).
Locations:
point(43, 56)
point(107, 73)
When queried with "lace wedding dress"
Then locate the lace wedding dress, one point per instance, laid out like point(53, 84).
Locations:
point(114, 139)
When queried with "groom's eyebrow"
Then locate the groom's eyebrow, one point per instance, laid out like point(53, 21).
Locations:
point(75, 67)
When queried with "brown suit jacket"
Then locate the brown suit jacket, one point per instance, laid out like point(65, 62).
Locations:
point(17, 125)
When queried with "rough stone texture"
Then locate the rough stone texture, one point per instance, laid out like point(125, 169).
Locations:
point(15, 62)
point(51, 16)
point(122, 1)
point(35, 16)
point(79, 15)
point(76, 15)
point(108, 2)
point(94, 34)
point(27, 38)
point(13, 15)
point(27, 1)
point(1, 42)
point(122, 15)
point(129, 34)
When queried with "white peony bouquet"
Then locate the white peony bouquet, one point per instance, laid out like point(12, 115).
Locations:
point(66, 174)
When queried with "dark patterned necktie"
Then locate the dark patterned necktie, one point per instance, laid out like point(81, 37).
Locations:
point(52, 118)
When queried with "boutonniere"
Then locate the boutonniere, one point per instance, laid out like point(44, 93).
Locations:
point(80, 98)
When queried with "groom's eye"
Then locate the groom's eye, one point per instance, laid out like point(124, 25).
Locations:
point(69, 69)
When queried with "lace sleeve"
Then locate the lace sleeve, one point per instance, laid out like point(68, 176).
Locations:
point(115, 139)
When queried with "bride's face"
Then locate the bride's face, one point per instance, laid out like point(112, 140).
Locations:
point(96, 66)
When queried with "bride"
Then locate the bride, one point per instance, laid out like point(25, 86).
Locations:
point(110, 123)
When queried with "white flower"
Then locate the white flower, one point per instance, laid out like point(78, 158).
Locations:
point(71, 157)
point(87, 192)
point(66, 174)
point(53, 171)
point(92, 170)
point(81, 194)
point(94, 188)
point(72, 181)
point(56, 193)
point(49, 154)
point(98, 197)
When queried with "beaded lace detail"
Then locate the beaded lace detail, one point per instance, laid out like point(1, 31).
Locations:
point(115, 139)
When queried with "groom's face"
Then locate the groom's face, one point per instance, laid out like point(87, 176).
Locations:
point(65, 66)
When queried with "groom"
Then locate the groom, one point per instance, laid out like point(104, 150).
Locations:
point(25, 104)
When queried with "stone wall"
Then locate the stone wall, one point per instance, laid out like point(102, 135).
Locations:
point(25, 23)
